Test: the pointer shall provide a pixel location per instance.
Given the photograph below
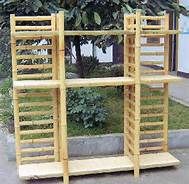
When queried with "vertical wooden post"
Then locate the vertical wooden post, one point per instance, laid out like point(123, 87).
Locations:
point(137, 94)
point(165, 95)
point(54, 91)
point(13, 47)
point(125, 65)
point(15, 96)
point(63, 117)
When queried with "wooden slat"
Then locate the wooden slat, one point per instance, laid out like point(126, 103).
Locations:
point(34, 150)
point(152, 44)
point(32, 28)
point(143, 141)
point(152, 53)
point(151, 115)
point(146, 132)
point(36, 84)
point(38, 158)
point(153, 148)
point(152, 71)
point(153, 17)
point(152, 106)
point(152, 97)
point(151, 124)
point(33, 47)
point(34, 141)
point(35, 76)
point(35, 113)
point(92, 82)
point(35, 66)
point(160, 78)
point(37, 104)
point(147, 63)
point(36, 131)
point(39, 94)
point(37, 122)
point(33, 18)
point(19, 57)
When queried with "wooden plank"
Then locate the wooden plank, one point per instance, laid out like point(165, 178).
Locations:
point(160, 78)
point(92, 82)
point(143, 141)
point(35, 113)
point(32, 28)
point(35, 76)
point(35, 66)
point(95, 166)
point(38, 158)
point(19, 57)
point(35, 104)
point(151, 124)
point(151, 148)
point(37, 150)
point(97, 33)
point(36, 131)
point(63, 111)
point(34, 141)
point(146, 132)
point(33, 47)
point(32, 18)
point(36, 122)
point(36, 84)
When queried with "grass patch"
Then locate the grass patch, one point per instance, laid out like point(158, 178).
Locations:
point(178, 115)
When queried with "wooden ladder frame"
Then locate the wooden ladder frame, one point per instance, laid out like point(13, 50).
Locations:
point(56, 164)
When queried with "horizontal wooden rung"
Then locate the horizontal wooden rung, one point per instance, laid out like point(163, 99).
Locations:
point(36, 131)
point(154, 148)
point(151, 124)
point(152, 17)
point(32, 28)
point(32, 18)
point(152, 115)
point(18, 57)
point(35, 104)
point(152, 53)
point(152, 97)
point(36, 122)
point(35, 113)
point(35, 76)
point(33, 47)
point(39, 94)
point(33, 141)
point(34, 150)
point(143, 141)
point(35, 66)
point(147, 63)
point(152, 44)
point(146, 132)
point(152, 71)
point(152, 107)
point(37, 158)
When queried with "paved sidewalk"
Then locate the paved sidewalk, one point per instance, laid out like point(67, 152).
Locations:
point(179, 91)
point(171, 175)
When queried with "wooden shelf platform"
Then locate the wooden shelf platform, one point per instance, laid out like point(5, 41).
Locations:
point(93, 82)
point(160, 79)
point(35, 84)
point(95, 166)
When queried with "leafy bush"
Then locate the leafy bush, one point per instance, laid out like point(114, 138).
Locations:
point(6, 106)
point(89, 64)
point(85, 106)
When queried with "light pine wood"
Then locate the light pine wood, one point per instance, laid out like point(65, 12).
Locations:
point(137, 94)
point(63, 117)
point(135, 148)
point(95, 166)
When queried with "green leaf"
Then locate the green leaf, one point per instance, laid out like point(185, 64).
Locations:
point(78, 20)
point(97, 18)
point(130, 10)
point(116, 2)
point(85, 18)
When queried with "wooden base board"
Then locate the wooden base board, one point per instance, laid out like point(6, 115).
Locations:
point(95, 166)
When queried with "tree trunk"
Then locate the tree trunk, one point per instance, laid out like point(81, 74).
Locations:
point(79, 62)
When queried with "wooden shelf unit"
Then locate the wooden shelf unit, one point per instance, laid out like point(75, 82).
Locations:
point(39, 81)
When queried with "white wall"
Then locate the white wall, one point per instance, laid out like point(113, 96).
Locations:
point(183, 50)
point(86, 50)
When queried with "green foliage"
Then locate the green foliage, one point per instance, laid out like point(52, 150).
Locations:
point(85, 106)
point(6, 106)
point(89, 63)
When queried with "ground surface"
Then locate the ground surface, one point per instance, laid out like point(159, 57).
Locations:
point(169, 175)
